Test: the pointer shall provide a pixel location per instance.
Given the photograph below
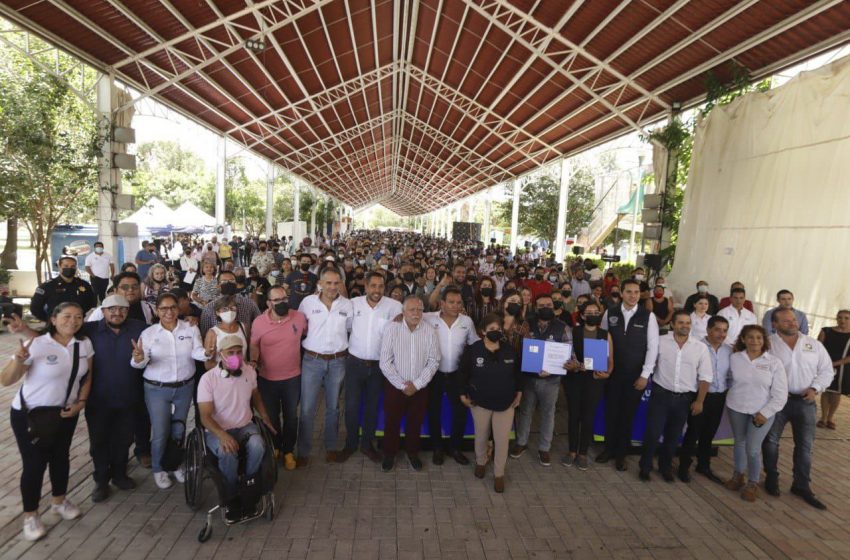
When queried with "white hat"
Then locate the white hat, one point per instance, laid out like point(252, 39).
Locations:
point(115, 301)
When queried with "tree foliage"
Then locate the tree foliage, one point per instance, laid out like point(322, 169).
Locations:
point(49, 145)
point(172, 174)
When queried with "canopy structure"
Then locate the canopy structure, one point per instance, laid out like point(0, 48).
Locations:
point(187, 214)
point(415, 104)
point(155, 215)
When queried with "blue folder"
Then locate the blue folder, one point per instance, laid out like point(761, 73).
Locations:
point(532, 355)
point(597, 350)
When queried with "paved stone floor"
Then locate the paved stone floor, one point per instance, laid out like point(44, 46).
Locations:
point(355, 511)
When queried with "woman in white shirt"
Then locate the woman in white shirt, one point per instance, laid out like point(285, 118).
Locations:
point(46, 365)
point(225, 310)
point(167, 352)
point(700, 317)
point(759, 389)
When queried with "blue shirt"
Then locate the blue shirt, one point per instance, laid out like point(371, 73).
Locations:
point(147, 258)
point(720, 364)
point(115, 383)
point(802, 321)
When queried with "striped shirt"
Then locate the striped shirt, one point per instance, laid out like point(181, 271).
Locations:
point(409, 355)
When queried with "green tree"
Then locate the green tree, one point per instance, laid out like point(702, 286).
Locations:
point(49, 144)
point(172, 174)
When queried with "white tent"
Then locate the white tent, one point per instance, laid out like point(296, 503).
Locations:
point(155, 214)
point(187, 214)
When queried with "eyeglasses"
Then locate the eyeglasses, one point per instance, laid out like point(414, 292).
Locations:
point(129, 287)
point(279, 300)
point(167, 308)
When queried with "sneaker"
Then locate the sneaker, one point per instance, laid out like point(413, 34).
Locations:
point(581, 462)
point(545, 458)
point(289, 462)
point(415, 462)
point(178, 476)
point(388, 464)
point(33, 528)
point(66, 510)
point(517, 451)
point(162, 480)
point(568, 460)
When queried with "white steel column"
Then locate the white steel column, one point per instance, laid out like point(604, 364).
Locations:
point(515, 216)
point(315, 199)
point(560, 236)
point(109, 178)
point(485, 231)
point(270, 199)
point(221, 166)
point(297, 234)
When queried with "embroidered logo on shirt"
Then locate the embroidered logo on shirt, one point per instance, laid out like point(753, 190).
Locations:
point(479, 362)
point(52, 359)
point(807, 347)
point(613, 321)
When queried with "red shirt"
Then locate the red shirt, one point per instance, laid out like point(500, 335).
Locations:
point(280, 344)
point(727, 301)
point(538, 288)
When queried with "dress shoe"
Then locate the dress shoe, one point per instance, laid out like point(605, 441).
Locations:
point(621, 465)
point(706, 472)
point(124, 483)
point(479, 471)
point(644, 475)
point(388, 463)
point(345, 454)
point(771, 486)
point(459, 457)
point(100, 493)
point(415, 462)
point(809, 497)
point(332, 457)
point(667, 475)
point(684, 475)
point(499, 484)
point(603, 457)
point(438, 457)
point(371, 454)
point(518, 450)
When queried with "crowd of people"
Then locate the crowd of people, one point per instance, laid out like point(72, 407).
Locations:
point(413, 324)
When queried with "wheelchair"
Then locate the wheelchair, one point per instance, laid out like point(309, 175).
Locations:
point(202, 464)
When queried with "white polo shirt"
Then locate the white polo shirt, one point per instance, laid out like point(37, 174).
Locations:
point(170, 355)
point(99, 264)
point(367, 326)
point(327, 331)
point(807, 365)
point(453, 340)
point(46, 380)
point(758, 385)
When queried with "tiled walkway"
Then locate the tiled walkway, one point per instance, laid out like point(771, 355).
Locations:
point(355, 511)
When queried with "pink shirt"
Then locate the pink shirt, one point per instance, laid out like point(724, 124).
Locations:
point(231, 396)
point(280, 344)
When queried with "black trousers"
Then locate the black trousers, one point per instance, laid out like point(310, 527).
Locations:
point(701, 430)
point(667, 414)
point(621, 404)
point(448, 383)
point(142, 430)
point(99, 286)
point(583, 393)
point(281, 399)
point(37, 459)
point(110, 435)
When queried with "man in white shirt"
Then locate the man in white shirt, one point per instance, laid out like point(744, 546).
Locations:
point(737, 315)
point(455, 332)
point(680, 382)
point(325, 350)
point(363, 378)
point(810, 372)
point(101, 267)
point(410, 354)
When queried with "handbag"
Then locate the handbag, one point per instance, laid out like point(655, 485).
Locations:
point(44, 422)
point(174, 452)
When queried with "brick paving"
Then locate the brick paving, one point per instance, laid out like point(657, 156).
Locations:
point(356, 511)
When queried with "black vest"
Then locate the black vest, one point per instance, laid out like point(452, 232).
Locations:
point(578, 341)
point(629, 346)
point(554, 332)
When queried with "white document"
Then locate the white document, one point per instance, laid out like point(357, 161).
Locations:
point(190, 277)
point(555, 355)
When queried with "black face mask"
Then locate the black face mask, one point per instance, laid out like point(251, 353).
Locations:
point(614, 296)
point(408, 276)
point(228, 288)
point(487, 292)
point(558, 304)
point(305, 266)
point(358, 275)
point(281, 308)
point(498, 273)
point(69, 272)
point(494, 336)
point(514, 309)
point(566, 293)
point(355, 294)
point(538, 277)
point(520, 273)
point(593, 320)
point(545, 313)
point(241, 279)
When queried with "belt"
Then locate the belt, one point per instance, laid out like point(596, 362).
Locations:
point(173, 385)
point(448, 372)
point(327, 357)
point(657, 387)
point(367, 362)
point(795, 396)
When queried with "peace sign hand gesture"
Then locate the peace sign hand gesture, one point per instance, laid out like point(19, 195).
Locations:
point(138, 351)
point(23, 352)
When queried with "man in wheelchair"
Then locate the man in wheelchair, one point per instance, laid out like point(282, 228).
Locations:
point(226, 394)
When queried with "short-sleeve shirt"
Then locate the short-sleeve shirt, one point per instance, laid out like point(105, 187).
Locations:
point(99, 264)
point(280, 344)
point(46, 380)
point(231, 396)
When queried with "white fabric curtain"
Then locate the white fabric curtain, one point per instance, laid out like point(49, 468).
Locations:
point(768, 197)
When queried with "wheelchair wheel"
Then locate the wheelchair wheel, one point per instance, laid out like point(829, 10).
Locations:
point(206, 532)
point(269, 507)
point(269, 464)
point(194, 485)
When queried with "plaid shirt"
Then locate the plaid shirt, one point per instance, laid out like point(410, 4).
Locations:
point(246, 312)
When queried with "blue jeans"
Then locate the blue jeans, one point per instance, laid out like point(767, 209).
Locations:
point(166, 406)
point(363, 382)
point(249, 439)
point(667, 414)
point(315, 374)
point(803, 417)
point(748, 440)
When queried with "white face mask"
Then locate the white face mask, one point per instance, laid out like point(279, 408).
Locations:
point(227, 316)
point(639, 277)
point(98, 250)
point(702, 289)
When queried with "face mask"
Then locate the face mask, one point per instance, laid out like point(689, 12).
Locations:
point(639, 277)
point(487, 292)
point(305, 266)
point(659, 293)
point(227, 316)
point(566, 293)
point(553, 277)
point(538, 277)
point(233, 362)
point(241, 279)
point(499, 273)
point(546, 313)
point(593, 320)
point(69, 272)
point(494, 336)
point(98, 250)
point(281, 308)
point(228, 288)
point(558, 304)
point(385, 266)
point(408, 276)
point(514, 309)
point(275, 273)
point(615, 296)
point(703, 289)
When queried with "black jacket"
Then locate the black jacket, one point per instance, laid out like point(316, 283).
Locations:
point(490, 379)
